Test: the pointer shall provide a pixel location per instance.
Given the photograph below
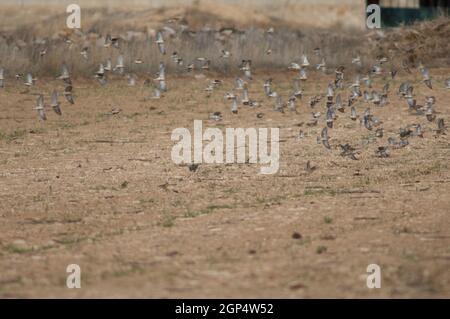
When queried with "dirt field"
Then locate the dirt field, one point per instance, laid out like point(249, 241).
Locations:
point(101, 191)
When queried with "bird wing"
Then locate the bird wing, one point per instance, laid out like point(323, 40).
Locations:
point(40, 102)
point(54, 98)
point(120, 60)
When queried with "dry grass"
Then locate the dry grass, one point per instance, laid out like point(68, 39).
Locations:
point(21, 43)
point(20, 47)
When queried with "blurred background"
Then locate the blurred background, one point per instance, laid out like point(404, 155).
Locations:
point(199, 27)
point(324, 13)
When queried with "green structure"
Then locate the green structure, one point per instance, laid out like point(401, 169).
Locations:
point(395, 12)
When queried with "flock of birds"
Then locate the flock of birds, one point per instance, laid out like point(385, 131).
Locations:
point(339, 95)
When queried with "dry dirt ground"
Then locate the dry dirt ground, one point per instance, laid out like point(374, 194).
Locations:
point(101, 191)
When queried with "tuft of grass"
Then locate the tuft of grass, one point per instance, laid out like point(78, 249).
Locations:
point(327, 220)
point(208, 210)
point(12, 136)
point(17, 250)
point(168, 220)
point(322, 191)
point(304, 241)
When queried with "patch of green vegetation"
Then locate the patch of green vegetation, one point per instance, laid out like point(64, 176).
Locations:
point(38, 198)
point(132, 116)
point(231, 190)
point(102, 188)
point(67, 241)
point(213, 207)
point(168, 220)
point(71, 220)
point(144, 201)
point(12, 136)
point(436, 167)
point(327, 220)
point(65, 125)
point(321, 249)
point(321, 191)
point(17, 250)
point(304, 241)
point(208, 210)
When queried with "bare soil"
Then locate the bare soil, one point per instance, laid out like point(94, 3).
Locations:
point(101, 191)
